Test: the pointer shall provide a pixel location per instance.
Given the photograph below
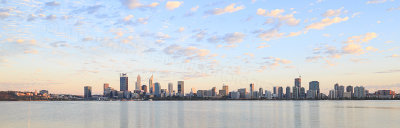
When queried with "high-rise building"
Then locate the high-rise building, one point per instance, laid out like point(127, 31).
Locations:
point(251, 90)
point(87, 92)
point(151, 85)
point(297, 82)
point(336, 87)
point(157, 89)
point(144, 88)
point(226, 90)
point(138, 83)
point(341, 91)
point(261, 92)
point(302, 93)
point(242, 92)
point(275, 90)
point(359, 92)
point(350, 89)
point(123, 81)
point(170, 89)
point(105, 87)
point(288, 93)
point(295, 94)
point(280, 92)
point(213, 91)
point(314, 85)
point(181, 88)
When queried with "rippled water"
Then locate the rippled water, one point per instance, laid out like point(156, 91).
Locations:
point(111, 114)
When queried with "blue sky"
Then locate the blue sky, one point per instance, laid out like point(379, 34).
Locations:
point(65, 45)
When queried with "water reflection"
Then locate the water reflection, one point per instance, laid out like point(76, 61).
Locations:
point(123, 119)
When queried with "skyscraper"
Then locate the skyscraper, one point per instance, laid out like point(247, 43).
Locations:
point(296, 91)
point(151, 85)
point(144, 88)
point(314, 85)
point(123, 81)
point(251, 90)
point(181, 88)
point(138, 83)
point(261, 91)
point(280, 92)
point(105, 87)
point(226, 89)
point(157, 89)
point(288, 93)
point(170, 89)
point(213, 91)
point(297, 82)
point(350, 89)
point(87, 92)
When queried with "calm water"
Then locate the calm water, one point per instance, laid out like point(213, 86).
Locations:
point(113, 114)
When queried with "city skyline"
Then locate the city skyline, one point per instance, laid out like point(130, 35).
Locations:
point(62, 46)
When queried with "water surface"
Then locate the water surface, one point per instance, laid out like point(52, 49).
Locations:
point(173, 114)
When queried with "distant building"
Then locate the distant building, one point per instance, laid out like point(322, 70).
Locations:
point(138, 83)
point(314, 85)
point(261, 92)
point(226, 89)
point(105, 88)
point(87, 92)
point(251, 90)
point(288, 96)
point(268, 94)
point(311, 94)
point(350, 89)
point(151, 85)
point(297, 84)
point(275, 91)
point(242, 92)
point(302, 93)
point(235, 95)
point(181, 88)
point(340, 91)
point(295, 94)
point(123, 81)
point(213, 91)
point(170, 89)
point(280, 92)
point(332, 94)
point(43, 92)
point(144, 88)
point(359, 92)
point(157, 89)
point(385, 94)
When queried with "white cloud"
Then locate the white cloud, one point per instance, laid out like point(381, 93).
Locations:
point(53, 3)
point(326, 22)
point(376, 1)
point(188, 53)
point(232, 38)
point(271, 34)
point(194, 9)
point(128, 17)
point(331, 12)
point(181, 29)
point(362, 38)
point(133, 4)
point(228, 9)
point(288, 19)
point(171, 5)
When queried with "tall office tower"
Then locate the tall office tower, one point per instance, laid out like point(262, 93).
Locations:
point(350, 89)
point(314, 85)
point(138, 83)
point(288, 93)
point(261, 91)
point(280, 92)
point(297, 82)
point(213, 91)
point(242, 92)
point(170, 89)
point(123, 81)
point(151, 85)
point(144, 88)
point(295, 94)
point(336, 87)
point(302, 92)
point(341, 91)
point(359, 92)
point(105, 87)
point(87, 92)
point(251, 90)
point(226, 89)
point(181, 88)
point(157, 89)
point(275, 90)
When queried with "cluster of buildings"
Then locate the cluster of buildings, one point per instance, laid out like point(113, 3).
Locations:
point(297, 92)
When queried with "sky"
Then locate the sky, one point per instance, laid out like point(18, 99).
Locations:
point(62, 46)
